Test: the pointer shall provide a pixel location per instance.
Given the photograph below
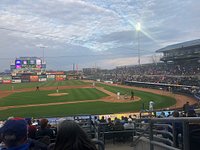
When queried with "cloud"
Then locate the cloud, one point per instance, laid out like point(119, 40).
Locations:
point(89, 31)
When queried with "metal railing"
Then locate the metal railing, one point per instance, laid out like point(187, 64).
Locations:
point(169, 133)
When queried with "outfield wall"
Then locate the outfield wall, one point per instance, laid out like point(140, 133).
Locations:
point(33, 77)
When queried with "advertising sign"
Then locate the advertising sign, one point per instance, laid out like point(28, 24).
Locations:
point(34, 78)
point(51, 76)
point(59, 78)
point(16, 81)
point(42, 79)
point(7, 77)
point(16, 77)
point(25, 80)
point(6, 81)
point(56, 73)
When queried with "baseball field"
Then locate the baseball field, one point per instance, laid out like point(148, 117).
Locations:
point(59, 99)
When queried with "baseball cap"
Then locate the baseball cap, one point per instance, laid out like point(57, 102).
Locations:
point(14, 129)
point(129, 120)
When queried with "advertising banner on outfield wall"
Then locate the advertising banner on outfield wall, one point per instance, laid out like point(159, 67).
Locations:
point(34, 78)
point(59, 78)
point(6, 81)
point(25, 76)
point(16, 77)
point(42, 79)
point(55, 73)
point(50, 76)
point(42, 76)
point(7, 77)
point(25, 80)
point(50, 79)
point(16, 81)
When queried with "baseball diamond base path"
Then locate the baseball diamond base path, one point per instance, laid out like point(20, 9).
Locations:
point(111, 98)
point(57, 94)
point(180, 99)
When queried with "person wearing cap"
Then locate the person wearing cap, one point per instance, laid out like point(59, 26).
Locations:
point(14, 136)
point(129, 124)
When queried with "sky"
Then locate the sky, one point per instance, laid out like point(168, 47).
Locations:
point(94, 33)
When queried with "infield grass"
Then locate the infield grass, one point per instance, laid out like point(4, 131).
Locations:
point(41, 97)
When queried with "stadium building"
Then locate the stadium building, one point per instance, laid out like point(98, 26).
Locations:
point(182, 52)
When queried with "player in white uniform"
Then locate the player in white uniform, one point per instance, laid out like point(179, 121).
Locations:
point(151, 104)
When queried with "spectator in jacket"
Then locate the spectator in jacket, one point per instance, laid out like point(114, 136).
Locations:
point(44, 131)
point(14, 136)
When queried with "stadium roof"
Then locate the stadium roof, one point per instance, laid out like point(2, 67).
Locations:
point(179, 45)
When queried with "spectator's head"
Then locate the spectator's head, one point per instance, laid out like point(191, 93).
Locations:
point(14, 132)
point(191, 113)
point(117, 122)
point(29, 121)
point(175, 113)
point(129, 120)
point(71, 136)
point(43, 123)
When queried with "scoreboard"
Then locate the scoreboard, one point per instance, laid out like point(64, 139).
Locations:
point(33, 63)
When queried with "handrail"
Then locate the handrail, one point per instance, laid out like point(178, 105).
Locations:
point(163, 132)
point(163, 145)
point(163, 139)
point(99, 143)
point(170, 128)
point(178, 119)
point(137, 139)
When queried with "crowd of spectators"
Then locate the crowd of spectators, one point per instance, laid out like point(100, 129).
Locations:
point(22, 134)
point(168, 73)
point(181, 69)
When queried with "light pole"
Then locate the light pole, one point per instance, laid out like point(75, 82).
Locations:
point(42, 47)
point(138, 28)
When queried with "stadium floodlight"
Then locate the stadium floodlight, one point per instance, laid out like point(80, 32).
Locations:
point(42, 47)
point(138, 29)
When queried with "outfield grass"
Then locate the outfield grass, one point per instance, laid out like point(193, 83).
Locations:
point(73, 109)
point(78, 108)
point(41, 97)
point(42, 84)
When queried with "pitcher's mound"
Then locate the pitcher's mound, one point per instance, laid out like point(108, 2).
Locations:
point(57, 94)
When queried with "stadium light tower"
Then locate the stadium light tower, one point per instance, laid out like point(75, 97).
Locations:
point(42, 47)
point(138, 29)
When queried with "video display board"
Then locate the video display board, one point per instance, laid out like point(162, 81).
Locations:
point(28, 63)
